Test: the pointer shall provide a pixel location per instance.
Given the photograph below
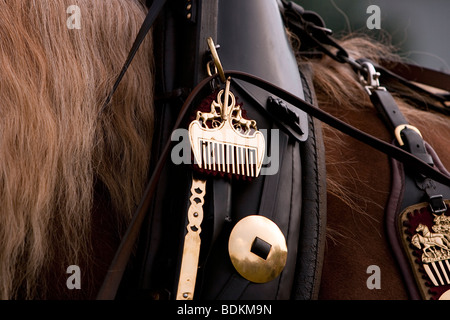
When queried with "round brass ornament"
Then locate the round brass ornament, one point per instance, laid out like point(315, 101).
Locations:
point(257, 249)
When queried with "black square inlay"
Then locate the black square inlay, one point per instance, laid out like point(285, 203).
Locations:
point(261, 248)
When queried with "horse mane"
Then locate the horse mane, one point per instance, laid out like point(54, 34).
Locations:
point(57, 153)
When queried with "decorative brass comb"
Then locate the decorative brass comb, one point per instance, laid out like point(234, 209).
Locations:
point(224, 142)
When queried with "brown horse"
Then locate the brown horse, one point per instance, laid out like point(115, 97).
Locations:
point(70, 179)
point(359, 178)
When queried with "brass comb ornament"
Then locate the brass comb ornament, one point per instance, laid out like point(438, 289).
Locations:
point(222, 140)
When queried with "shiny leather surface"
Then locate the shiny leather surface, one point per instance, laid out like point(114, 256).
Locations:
point(250, 33)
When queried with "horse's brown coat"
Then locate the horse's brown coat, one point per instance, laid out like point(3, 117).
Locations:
point(359, 183)
point(45, 178)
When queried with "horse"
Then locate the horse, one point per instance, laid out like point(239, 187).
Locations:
point(71, 176)
point(241, 123)
point(208, 116)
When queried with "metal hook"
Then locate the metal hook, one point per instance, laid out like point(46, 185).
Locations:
point(216, 59)
point(371, 82)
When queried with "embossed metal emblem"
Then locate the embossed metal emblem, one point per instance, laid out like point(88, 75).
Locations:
point(426, 239)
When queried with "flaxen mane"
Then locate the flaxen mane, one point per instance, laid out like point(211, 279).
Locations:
point(70, 176)
point(358, 177)
point(57, 154)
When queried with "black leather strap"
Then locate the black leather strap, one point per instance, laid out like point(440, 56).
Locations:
point(234, 288)
point(152, 14)
point(405, 157)
point(222, 205)
point(393, 118)
point(316, 40)
point(115, 272)
point(388, 108)
point(397, 153)
point(417, 187)
point(409, 74)
point(236, 285)
point(415, 145)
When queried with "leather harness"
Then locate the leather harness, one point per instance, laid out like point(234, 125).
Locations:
point(287, 104)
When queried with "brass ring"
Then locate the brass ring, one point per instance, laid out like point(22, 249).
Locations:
point(216, 59)
point(402, 127)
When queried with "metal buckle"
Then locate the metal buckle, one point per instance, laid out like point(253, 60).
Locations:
point(371, 81)
point(402, 127)
point(257, 249)
point(437, 204)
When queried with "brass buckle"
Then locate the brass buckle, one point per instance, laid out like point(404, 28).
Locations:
point(402, 127)
point(257, 249)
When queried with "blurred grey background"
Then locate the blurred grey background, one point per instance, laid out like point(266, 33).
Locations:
point(419, 28)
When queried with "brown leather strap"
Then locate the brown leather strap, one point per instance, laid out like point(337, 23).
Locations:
point(422, 76)
point(419, 74)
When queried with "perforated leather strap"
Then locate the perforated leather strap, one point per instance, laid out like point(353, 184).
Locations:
point(411, 140)
point(388, 108)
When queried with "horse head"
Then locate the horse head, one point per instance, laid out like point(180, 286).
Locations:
point(422, 228)
point(416, 241)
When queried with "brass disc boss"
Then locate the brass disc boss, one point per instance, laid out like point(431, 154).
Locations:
point(257, 249)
